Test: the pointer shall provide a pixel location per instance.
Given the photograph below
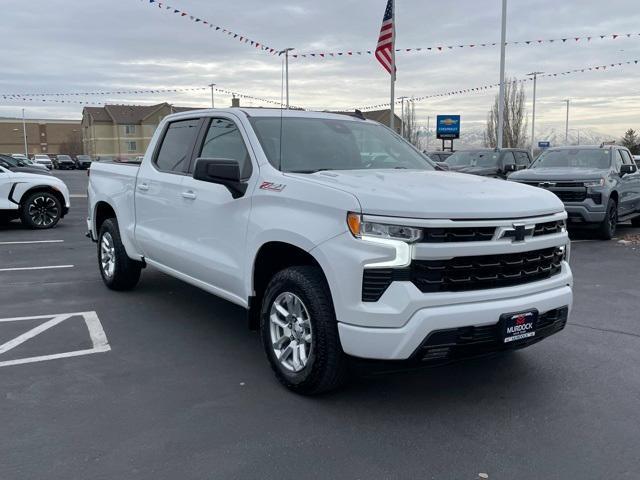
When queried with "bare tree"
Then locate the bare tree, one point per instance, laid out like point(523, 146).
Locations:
point(411, 131)
point(515, 121)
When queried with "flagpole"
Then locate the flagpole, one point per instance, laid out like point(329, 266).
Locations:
point(392, 119)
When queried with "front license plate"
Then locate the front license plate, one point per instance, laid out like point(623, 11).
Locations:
point(518, 326)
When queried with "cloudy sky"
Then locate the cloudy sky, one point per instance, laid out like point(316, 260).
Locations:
point(87, 45)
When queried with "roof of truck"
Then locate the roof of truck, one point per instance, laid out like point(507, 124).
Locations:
point(274, 112)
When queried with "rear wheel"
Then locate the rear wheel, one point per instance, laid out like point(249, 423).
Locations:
point(300, 332)
point(608, 226)
point(41, 210)
point(119, 272)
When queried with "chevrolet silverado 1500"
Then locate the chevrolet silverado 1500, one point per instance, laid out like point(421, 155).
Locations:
point(339, 238)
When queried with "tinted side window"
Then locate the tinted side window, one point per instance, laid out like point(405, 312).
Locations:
point(177, 144)
point(626, 157)
point(224, 140)
point(522, 159)
point(617, 161)
point(509, 159)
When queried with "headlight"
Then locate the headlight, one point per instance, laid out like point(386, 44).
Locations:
point(595, 183)
point(360, 229)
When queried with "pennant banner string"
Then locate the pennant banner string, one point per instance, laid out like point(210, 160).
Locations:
point(205, 23)
point(600, 68)
point(442, 48)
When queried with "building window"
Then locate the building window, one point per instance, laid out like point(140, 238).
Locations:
point(130, 129)
point(132, 146)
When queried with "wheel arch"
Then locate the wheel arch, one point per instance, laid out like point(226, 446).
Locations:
point(614, 196)
point(43, 188)
point(101, 212)
point(272, 257)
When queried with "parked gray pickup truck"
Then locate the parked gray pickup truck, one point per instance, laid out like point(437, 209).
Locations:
point(600, 186)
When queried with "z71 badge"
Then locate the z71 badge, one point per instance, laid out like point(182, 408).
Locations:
point(274, 187)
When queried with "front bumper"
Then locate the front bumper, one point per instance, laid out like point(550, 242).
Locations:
point(405, 342)
point(585, 213)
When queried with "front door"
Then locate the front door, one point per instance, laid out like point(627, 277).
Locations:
point(217, 238)
point(158, 196)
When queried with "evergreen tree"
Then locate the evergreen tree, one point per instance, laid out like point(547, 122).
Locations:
point(631, 141)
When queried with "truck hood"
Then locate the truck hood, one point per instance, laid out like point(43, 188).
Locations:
point(482, 171)
point(567, 174)
point(433, 194)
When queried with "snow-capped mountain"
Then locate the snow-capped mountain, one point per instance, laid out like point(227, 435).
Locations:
point(473, 136)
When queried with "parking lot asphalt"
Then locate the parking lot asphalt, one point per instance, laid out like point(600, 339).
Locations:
point(185, 390)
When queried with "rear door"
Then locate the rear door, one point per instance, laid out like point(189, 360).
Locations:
point(522, 160)
point(218, 231)
point(631, 182)
point(158, 198)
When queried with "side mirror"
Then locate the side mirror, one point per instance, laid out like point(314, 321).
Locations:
point(442, 166)
point(510, 167)
point(626, 169)
point(221, 171)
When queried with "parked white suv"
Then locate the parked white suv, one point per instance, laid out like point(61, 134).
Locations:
point(339, 238)
point(40, 201)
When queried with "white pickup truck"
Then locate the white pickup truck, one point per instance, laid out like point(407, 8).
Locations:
point(339, 238)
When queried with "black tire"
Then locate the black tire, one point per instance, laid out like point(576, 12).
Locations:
point(635, 222)
point(326, 365)
point(41, 210)
point(607, 228)
point(126, 272)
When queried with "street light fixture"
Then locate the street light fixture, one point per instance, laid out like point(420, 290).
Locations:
point(212, 85)
point(566, 128)
point(286, 69)
point(533, 115)
point(402, 116)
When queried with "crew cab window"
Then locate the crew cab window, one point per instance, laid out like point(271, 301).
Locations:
point(175, 151)
point(522, 159)
point(617, 161)
point(224, 140)
point(509, 159)
point(626, 157)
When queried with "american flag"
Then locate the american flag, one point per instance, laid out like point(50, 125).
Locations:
point(384, 50)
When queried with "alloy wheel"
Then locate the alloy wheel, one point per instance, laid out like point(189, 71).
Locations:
point(43, 211)
point(291, 333)
point(107, 255)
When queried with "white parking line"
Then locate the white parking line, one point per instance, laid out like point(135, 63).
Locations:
point(19, 269)
point(31, 241)
point(96, 332)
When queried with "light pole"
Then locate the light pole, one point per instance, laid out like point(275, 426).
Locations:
point(24, 135)
point(428, 131)
point(212, 85)
point(533, 114)
point(566, 128)
point(503, 39)
point(286, 73)
point(402, 116)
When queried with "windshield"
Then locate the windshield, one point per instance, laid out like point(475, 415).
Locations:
point(42, 157)
point(83, 157)
point(474, 159)
point(64, 157)
point(14, 162)
point(313, 144)
point(574, 158)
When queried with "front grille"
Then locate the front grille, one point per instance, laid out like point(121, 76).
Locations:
point(457, 343)
point(484, 272)
point(457, 234)
point(548, 228)
point(571, 195)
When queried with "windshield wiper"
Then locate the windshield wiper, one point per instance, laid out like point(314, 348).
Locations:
point(309, 171)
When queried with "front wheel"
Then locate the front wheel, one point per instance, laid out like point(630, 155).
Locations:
point(300, 333)
point(119, 272)
point(608, 226)
point(41, 210)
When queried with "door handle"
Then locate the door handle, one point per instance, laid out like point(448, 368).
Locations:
point(143, 187)
point(189, 195)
